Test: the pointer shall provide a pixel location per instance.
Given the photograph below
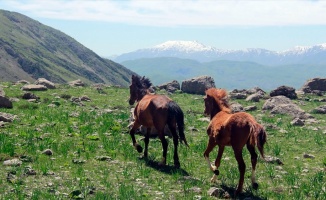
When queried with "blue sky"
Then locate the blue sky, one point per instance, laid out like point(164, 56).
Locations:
point(114, 27)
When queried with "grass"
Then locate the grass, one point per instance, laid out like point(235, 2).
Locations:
point(79, 135)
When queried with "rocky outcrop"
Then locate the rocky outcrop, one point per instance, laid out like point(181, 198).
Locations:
point(5, 102)
point(314, 85)
point(77, 82)
point(33, 87)
point(170, 86)
point(197, 85)
point(285, 91)
point(46, 83)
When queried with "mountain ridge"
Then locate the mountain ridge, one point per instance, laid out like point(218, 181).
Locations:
point(30, 50)
point(315, 54)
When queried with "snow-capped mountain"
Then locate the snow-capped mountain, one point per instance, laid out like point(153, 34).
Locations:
point(196, 51)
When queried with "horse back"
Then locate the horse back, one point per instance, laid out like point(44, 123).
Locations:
point(151, 107)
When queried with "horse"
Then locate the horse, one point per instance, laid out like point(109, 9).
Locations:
point(157, 111)
point(235, 130)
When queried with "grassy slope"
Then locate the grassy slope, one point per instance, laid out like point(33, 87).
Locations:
point(42, 51)
point(227, 74)
point(81, 133)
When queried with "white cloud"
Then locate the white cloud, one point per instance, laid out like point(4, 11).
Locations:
point(177, 12)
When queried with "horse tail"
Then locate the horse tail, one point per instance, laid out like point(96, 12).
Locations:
point(260, 137)
point(175, 112)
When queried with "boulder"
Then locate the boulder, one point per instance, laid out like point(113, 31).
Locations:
point(33, 87)
point(315, 84)
point(283, 105)
point(320, 109)
point(77, 82)
point(197, 85)
point(170, 86)
point(5, 102)
point(285, 91)
point(29, 95)
point(6, 117)
point(46, 83)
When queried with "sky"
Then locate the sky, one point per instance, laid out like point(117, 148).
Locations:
point(115, 27)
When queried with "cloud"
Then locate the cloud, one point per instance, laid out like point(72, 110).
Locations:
point(180, 12)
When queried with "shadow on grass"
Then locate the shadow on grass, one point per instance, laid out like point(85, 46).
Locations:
point(244, 195)
point(165, 169)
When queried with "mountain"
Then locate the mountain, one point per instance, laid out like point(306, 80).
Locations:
point(227, 74)
point(199, 52)
point(30, 50)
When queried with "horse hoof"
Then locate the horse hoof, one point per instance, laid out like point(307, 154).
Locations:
point(177, 165)
point(255, 186)
point(216, 172)
point(139, 148)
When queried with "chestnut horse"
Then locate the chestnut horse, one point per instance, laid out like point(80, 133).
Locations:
point(155, 111)
point(235, 130)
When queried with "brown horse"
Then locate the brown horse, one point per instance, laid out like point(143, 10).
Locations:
point(236, 130)
point(155, 111)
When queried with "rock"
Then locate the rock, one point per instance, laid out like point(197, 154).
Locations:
point(170, 86)
point(77, 82)
point(315, 84)
point(197, 85)
point(271, 159)
point(47, 152)
point(12, 162)
point(254, 97)
point(218, 192)
point(308, 156)
point(29, 95)
point(233, 95)
point(32, 87)
point(46, 83)
point(320, 109)
point(84, 98)
point(275, 101)
point(5, 102)
point(22, 82)
point(236, 107)
point(285, 91)
point(250, 108)
point(297, 122)
point(6, 117)
point(291, 109)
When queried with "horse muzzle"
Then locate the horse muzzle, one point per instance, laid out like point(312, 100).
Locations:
point(131, 102)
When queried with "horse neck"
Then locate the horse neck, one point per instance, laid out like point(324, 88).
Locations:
point(142, 93)
point(217, 109)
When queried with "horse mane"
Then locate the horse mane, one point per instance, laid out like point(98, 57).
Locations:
point(142, 82)
point(220, 97)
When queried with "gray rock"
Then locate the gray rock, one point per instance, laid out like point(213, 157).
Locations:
point(47, 152)
point(197, 85)
point(320, 110)
point(46, 83)
point(236, 107)
point(77, 82)
point(315, 84)
point(6, 117)
point(170, 86)
point(250, 108)
point(275, 101)
point(285, 91)
point(12, 162)
point(5, 102)
point(29, 95)
point(297, 122)
point(291, 109)
point(33, 87)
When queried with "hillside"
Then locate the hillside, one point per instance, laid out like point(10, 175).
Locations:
point(227, 74)
point(30, 50)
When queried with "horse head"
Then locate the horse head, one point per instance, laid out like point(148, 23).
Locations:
point(215, 101)
point(138, 88)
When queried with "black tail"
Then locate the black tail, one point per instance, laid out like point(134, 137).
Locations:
point(175, 112)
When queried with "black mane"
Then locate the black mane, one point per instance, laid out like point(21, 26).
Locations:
point(144, 82)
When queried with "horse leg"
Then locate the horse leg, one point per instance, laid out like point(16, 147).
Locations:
point(217, 162)
point(148, 132)
point(242, 169)
point(253, 154)
point(132, 134)
point(210, 146)
point(164, 146)
point(176, 143)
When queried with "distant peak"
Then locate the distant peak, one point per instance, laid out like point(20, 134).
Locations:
point(183, 46)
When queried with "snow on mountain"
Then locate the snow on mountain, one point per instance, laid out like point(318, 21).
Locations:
point(202, 53)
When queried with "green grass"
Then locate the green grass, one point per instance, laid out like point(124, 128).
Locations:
point(78, 135)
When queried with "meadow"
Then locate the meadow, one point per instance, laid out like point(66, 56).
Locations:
point(93, 157)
